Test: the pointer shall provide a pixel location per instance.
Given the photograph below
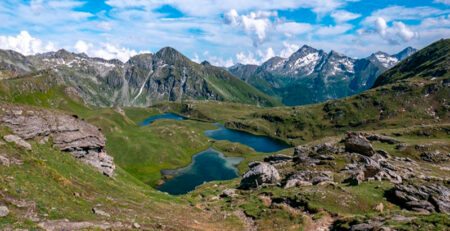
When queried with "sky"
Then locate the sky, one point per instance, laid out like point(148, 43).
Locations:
point(224, 32)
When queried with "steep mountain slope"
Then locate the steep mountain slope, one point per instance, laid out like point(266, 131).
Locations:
point(13, 64)
point(431, 62)
point(144, 80)
point(310, 75)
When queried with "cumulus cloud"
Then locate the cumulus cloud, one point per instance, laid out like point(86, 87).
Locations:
point(381, 26)
point(105, 51)
point(255, 24)
point(220, 62)
point(248, 58)
point(403, 31)
point(344, 16)
point(25, 44)
point(256, 59)
point(396, 33)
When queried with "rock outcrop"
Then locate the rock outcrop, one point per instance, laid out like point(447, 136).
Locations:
point(18, 141)
point(68, 133)
point(434, 157)
point(357, 142)
point(259, 174)
point(425, 198)
point(306, 178)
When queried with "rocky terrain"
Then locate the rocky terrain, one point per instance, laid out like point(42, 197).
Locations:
point(321, 76)
point(335, 172)
point(67, 133)
point(378, 160)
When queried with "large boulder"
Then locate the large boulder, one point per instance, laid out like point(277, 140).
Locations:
point(356, 142)
point(68, 133)
point(259, 174)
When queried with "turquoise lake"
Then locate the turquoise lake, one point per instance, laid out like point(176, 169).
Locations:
point(212, 165)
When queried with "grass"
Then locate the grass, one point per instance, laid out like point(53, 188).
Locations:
point(417, 111)
point(48, 181)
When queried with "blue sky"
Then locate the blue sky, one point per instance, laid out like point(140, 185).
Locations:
point(223, 32)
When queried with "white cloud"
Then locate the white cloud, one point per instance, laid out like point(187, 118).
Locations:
point(403, 31)
point(344, 16)
point(398, 31)
point(256, 59)
point(288, 49)
point(446, 2)
point(105, 51)
point(213, 7)
point(334, 30)
point(381, 26)
point(290, 29)
point(219, 62)
point(266, 55)
point(248, 58)
point(25, 44)
point(107, 26)
point(255, 24)
point(403, 13)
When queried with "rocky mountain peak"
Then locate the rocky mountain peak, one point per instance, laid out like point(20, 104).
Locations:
point(64, 54)
point(383, 59)
point(405, 53)
point(141, 60)
point(170, 55)
point(274, 63)
point(206, 63)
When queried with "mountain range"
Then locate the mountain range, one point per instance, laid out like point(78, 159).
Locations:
point(310, 75)
point(307, 76)
point(144, 80)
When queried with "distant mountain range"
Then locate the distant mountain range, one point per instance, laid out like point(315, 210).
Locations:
point(311, 76)
point(307, 76)
point(144, 80)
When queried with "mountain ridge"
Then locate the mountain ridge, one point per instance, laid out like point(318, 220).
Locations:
point(143, 80)
point(321, 76)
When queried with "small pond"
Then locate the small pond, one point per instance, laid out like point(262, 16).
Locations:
point(259, 143)
point(209, 165)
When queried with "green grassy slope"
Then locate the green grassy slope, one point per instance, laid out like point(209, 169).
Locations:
point(52, 185)
point(432, 61)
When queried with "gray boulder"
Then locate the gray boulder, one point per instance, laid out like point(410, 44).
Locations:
point(356, 142)
point(259, 174)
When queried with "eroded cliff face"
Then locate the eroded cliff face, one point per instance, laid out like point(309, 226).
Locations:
point(68, 133)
